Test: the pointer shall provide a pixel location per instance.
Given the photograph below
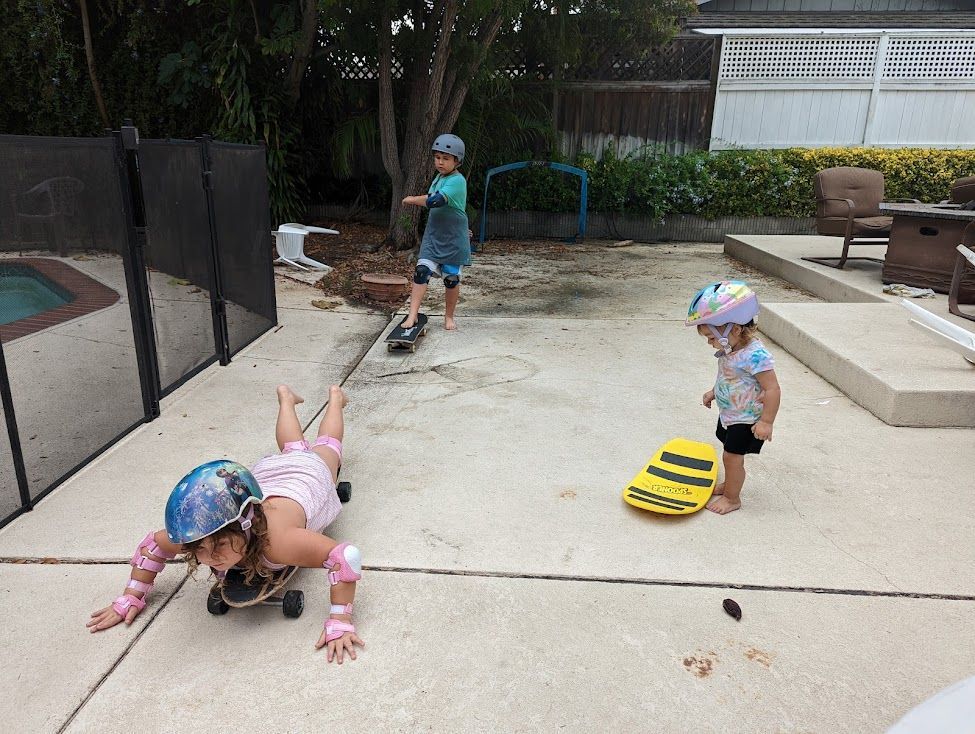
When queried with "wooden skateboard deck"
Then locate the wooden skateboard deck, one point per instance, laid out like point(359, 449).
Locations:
point(400, 339)
point(238, 594)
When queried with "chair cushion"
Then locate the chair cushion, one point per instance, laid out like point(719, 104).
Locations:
point(872, 225)
point(864, 186)
point(862, 226)
point(963, 190)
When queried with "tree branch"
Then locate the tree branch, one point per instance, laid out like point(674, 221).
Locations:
point(90, 55)
point(439, 65)
point(309, 29)
point(387, 115)
point(489, 31)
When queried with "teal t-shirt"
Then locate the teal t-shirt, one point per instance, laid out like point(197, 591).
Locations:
point(446, 239)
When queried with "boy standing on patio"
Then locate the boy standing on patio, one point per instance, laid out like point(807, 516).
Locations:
point(446, 244)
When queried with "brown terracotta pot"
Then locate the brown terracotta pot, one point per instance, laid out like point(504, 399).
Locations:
point(384, 286)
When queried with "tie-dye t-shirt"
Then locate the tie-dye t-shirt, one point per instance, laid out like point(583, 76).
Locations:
point(736, 389)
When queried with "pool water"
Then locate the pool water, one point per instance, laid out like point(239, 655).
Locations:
point(25, 292)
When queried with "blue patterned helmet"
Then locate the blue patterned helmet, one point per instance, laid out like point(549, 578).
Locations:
point(210, 497)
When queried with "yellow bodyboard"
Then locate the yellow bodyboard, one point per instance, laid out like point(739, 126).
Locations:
point(678, 480)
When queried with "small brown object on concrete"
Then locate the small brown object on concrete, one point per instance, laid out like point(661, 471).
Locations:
point(621, 243)
point(732, 608)
point(384, 286)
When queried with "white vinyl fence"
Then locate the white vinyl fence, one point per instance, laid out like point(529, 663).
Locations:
point(877, 89)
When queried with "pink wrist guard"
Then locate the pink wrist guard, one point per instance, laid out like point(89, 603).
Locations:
point(335, 628)
point(124, 602)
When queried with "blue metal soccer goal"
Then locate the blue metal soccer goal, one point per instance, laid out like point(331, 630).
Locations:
point(583, 199)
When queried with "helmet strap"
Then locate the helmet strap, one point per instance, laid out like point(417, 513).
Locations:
point(722, 337)
point(246, 522)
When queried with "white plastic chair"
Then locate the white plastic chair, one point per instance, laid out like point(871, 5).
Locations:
point(950, 335)
point(289, 240)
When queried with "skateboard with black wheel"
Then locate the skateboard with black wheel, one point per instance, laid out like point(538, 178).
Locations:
point(236, 592)
point(401, 339)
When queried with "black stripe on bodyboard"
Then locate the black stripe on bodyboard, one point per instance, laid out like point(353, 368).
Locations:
point(680, 478)
point(686, 461)
point(645, 494)
point(654, 502)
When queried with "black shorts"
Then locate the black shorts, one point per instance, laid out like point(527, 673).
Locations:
point(739, 439)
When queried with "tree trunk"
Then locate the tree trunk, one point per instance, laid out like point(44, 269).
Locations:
point(404, 221)
point(90, 55)
point(309, 30)
point(437, 92)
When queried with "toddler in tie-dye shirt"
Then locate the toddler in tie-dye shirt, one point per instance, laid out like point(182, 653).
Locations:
point(747, 392)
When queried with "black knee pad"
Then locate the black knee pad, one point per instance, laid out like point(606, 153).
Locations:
point(451, 281)
point(421, 276)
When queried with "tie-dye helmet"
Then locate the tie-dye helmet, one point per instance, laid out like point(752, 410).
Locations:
point(209, 498)
point(725, 303)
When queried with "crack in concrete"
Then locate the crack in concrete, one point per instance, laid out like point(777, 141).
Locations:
point(829, 540)
point(118, 661)
point(628, 581)
point(836, 591)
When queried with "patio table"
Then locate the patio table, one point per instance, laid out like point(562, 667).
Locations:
point(921, 251)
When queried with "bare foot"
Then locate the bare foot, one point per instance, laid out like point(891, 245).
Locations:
point(722, 505)
point(337, 396)
point(449, 324)
point(408, 323)
point(719, 490)
point(287, 395)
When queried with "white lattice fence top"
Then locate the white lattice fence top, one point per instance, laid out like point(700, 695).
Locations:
point(934, 57)
point(798, 57)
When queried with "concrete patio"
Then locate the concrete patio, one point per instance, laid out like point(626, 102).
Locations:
point(508, 587)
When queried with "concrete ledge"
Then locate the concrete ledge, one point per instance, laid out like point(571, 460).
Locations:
point(871, 353)
point(861, 341)
point(782, 257)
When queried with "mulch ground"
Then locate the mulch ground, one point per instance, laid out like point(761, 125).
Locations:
point(348, 253)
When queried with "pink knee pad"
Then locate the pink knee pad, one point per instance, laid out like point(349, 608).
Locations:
point(332, 443)
point(290, 446)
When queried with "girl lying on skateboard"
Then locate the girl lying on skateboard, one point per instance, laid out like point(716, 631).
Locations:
point(290, 498)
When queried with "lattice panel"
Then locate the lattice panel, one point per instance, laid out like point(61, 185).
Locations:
point(359, 69)
point(932, 57)
point(798, 57)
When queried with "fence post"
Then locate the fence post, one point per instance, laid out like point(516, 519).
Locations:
point(16, 452)
point(218, 306)
point(869, 134)
point(140, 307)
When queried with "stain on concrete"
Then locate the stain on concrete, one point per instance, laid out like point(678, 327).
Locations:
point(701, 664)
point(759, 656)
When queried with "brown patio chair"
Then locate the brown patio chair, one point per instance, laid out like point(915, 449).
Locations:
point(965, 262)
point(848, 206)
point(963, 190)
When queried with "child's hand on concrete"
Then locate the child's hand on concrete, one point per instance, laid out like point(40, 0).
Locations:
point(105, 618)
point(708, 399)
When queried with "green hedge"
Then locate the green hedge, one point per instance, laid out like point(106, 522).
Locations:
point(751, 183)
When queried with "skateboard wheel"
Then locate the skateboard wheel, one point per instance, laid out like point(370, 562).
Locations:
point(215, 603)
point(424, 332)
point(294, 603)
point(412, 348)
point(344, 491)
point(389, 347)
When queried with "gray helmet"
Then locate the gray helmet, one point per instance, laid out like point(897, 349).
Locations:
point(451, 144)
